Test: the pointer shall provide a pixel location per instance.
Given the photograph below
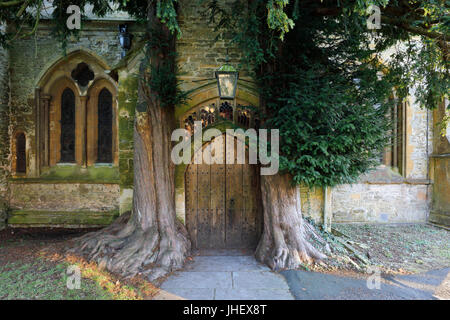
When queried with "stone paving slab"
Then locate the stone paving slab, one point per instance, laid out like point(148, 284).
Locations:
point(319, 286)
point(222, 277)
point(259, 280)
point(195, 294)
point(224, 252)
point(198, 280)
point(253, 294)
point(225, 263)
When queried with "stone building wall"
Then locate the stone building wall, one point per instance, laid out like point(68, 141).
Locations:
point(31, 57)
point(128, 96)
point(66, 195)
point(381, 197)
point(420, 139)
point(199, 54)
point(384, 196)
point(383, 203)
point(440, 168)
point(4, 137)
point(71, 197)
point(390, 198)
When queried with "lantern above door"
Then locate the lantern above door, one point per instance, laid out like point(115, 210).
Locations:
point(227, 77)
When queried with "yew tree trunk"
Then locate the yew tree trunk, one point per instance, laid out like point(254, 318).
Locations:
point(286, 239)
point(149, 240)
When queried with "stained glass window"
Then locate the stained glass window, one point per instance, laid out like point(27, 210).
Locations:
point(68, 126)
point(21, 160)
point(105, 122)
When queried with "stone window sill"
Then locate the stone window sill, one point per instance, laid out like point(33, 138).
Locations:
point(385, 175)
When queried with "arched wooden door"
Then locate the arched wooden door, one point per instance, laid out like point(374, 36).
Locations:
point(222, 210)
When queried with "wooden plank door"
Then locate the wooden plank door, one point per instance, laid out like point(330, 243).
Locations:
point(221, 202)
point(218, 185)
point(234, 202)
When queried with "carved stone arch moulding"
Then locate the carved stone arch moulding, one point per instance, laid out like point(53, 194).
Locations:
point(83, 73)
point(211, 112)
point(66, 65)
point(206, 106)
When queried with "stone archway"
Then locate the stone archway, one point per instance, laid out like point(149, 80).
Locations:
point(222, 203)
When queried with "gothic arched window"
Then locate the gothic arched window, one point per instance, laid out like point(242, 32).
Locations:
point(226, 111)
point(243, 118)
point(105, 126)
point(67, 126)
point(21, 159)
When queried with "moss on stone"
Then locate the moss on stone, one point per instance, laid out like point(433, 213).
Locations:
point(75, 174)
point(61, 218)
point(127, 97)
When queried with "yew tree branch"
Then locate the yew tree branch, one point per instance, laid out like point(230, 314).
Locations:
point(6, 4)
point(413, 29)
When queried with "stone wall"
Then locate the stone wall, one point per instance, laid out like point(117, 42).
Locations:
point(59, 196)
point(312, 203)
point(199, 55)
point(64, 197)
point(396, 199)
point(4, 137)
point(128, 95)
point(32, 57)
point(419, 144)
point(383, 203)
point(440, 212)
point(383, 196)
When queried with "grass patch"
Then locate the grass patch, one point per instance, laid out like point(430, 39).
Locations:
point(44, 281)
point(34, 266)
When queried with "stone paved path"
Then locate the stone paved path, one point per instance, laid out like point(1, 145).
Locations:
point(304, 285)
point(224, 277)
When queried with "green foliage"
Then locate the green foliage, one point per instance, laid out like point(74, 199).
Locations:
point(277, 19)
point(329, 103)
point(28, 14)
point(422, 62)
point(162, 80)
point(166, 12)
point(164, 83)
point(162, 77)
point(318, 73)
point(323, 83)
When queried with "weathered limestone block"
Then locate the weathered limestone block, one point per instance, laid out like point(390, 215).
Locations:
point(312, 203)
point(65, 196)
point(380, 203)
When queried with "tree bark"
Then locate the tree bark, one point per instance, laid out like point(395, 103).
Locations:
point(150, 240)
point(286, 239)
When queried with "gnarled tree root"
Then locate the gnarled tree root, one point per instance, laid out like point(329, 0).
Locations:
point(286, 238)
point(124, 248)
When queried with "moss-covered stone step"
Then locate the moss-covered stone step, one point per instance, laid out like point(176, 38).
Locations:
point(60, 218)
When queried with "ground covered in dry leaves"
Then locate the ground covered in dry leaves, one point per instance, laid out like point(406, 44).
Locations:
point(32, 265)
point(402, 248)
